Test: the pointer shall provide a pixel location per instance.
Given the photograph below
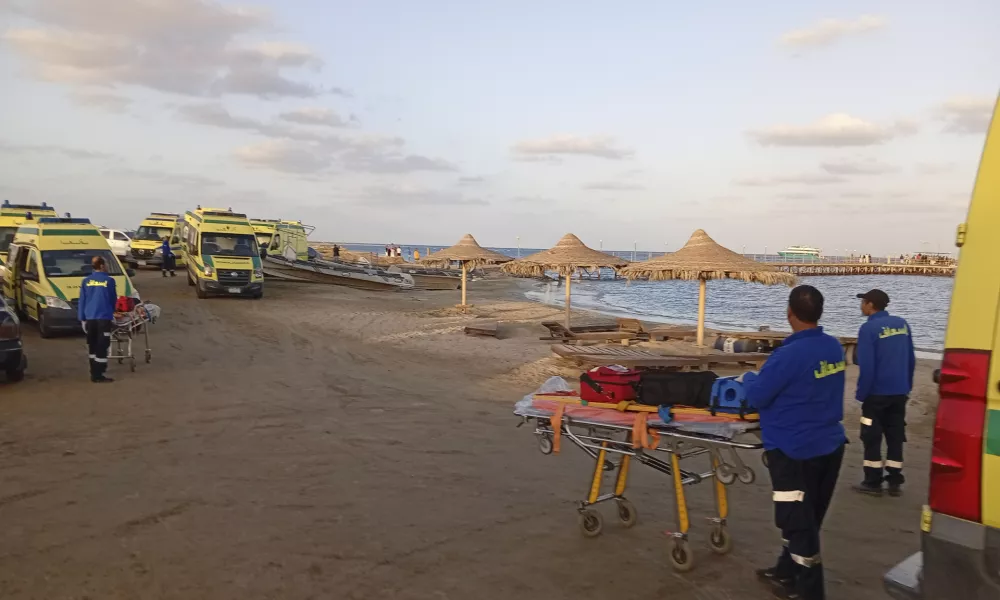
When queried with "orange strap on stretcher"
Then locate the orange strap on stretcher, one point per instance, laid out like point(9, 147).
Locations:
point(556, 421)
point(643, 436)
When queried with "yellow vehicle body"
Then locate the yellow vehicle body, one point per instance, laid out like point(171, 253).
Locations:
point(147, 243)
point(960, 555)
point(221, 253)
point(49, 258)
point(291, 240)
point(264, 229)
point(13, 216)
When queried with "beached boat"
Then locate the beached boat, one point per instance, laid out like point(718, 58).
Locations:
point(320, 271)
point(429, 279)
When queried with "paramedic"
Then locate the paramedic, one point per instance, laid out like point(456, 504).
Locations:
point(169, 260)
point(97, 309)
point(799, 394)
point(886, 362)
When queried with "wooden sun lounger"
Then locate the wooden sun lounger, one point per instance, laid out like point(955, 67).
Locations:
point(624, 329)
point(672, 332)
point(630, 357)
point(489, 328)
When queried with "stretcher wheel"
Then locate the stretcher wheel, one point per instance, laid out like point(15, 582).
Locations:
point(609, 466)
point(725, 474)
point(747, 475)
point(132, 365)
point(720, 541)
point(627, 513)
point(681, 557)
point(545, 444)
point(149, 356)
point(591, 523)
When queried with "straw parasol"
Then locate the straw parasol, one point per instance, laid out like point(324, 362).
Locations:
point(564, 258)
point(702, 258)
point(468, 252)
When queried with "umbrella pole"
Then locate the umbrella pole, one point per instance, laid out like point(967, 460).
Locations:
point(569, 278)
point(701, 312)
point(463, 282)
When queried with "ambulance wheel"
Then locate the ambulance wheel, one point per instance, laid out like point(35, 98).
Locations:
point(681, 557)
point(190, 280)
point(200, 292)
point(747, 475)
point(725, 474)
point(545, 444)
point(626, 513)
point(591, 523)
point(43, 327)
point(720, 541)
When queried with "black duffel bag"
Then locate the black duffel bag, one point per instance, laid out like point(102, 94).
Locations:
point(658, 388)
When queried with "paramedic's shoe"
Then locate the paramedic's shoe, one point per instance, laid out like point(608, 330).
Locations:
point(868, 490)
point(164, 273)
point(895, 490)
point(787, 592)
point(102, 379)
point(771, 576)
point(172, 274)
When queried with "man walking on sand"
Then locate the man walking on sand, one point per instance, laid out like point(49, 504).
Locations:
point(799, 394)
point(886, 362)
point(98, 295)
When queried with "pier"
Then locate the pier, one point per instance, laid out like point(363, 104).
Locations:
point(821, 268)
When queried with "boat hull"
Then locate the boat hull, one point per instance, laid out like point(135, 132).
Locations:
point(430, 280)
point(332, 274)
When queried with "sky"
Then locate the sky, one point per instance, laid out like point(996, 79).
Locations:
point(849, 126)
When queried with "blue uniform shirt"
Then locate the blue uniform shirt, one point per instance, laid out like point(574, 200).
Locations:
point(98, 296)
point(885, 357)
point(800, 395)
point(165, 249)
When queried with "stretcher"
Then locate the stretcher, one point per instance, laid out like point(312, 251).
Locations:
point(615, 435)
point(127, 326)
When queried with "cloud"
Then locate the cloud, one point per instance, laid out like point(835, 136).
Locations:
point(835, 130)
point(313, 116)
point(614, 186)
point(102, 100)
point(403, 196)
point(285, 156)
point(536, 200)
point(934, 168)
point(855, 194)
point(188, 47)
point(20, 149)
point(857, 166)
point(599, 146)
point(530, 158)
point(165, 178)
point(473, 180)
point(379, 162)
point(829, 31)
point(801, 178)
point(798, 196)
point(966, 114)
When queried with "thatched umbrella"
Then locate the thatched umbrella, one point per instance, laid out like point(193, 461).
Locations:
point(702, 258)
point(564, 258)
point(468, 252)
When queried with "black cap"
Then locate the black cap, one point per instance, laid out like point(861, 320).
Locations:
point(878, 298)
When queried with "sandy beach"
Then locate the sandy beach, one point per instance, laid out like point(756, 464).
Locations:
point(333, 443)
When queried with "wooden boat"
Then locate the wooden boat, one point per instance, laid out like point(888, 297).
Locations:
point(320, 271)
point(429, 279)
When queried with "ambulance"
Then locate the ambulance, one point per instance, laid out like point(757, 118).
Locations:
point(221, 252)
point(960, 540)
point(147, 243)
point(48, 260)
point(290, 240)
point(13, 216)
point(264, 229)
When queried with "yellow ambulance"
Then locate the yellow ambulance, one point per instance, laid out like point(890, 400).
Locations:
point(960, 543)
point(290, 240)
point(147, 243)
point(13, 216)
point(221, 252)
point(264, 229)
point(48, 260)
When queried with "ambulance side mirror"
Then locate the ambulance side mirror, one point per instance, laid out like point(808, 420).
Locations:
point(937, 376)
point(130, 272)
point(175, 240)
point(263, 252)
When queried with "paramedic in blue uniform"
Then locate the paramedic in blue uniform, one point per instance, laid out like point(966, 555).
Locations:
point(98, 295)
point(799, 394)
point(886, 362)
point(169, 260)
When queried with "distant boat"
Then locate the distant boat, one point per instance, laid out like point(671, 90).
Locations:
point(800, 252)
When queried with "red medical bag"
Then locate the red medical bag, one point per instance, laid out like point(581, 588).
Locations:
point(609, 384)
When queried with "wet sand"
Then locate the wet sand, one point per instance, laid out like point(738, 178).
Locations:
point(334, 443)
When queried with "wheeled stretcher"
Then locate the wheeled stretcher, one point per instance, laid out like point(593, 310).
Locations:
point(127, 327)
point(614, 436)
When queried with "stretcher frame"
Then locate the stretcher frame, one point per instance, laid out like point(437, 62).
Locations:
point(598, 440)
point(126, 327)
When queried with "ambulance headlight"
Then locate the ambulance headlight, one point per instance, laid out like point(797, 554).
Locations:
point(258, 273)
point(53, 302)
point(209, 271)
point(158, 252)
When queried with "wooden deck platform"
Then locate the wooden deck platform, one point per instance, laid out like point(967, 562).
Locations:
point(818, 268)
